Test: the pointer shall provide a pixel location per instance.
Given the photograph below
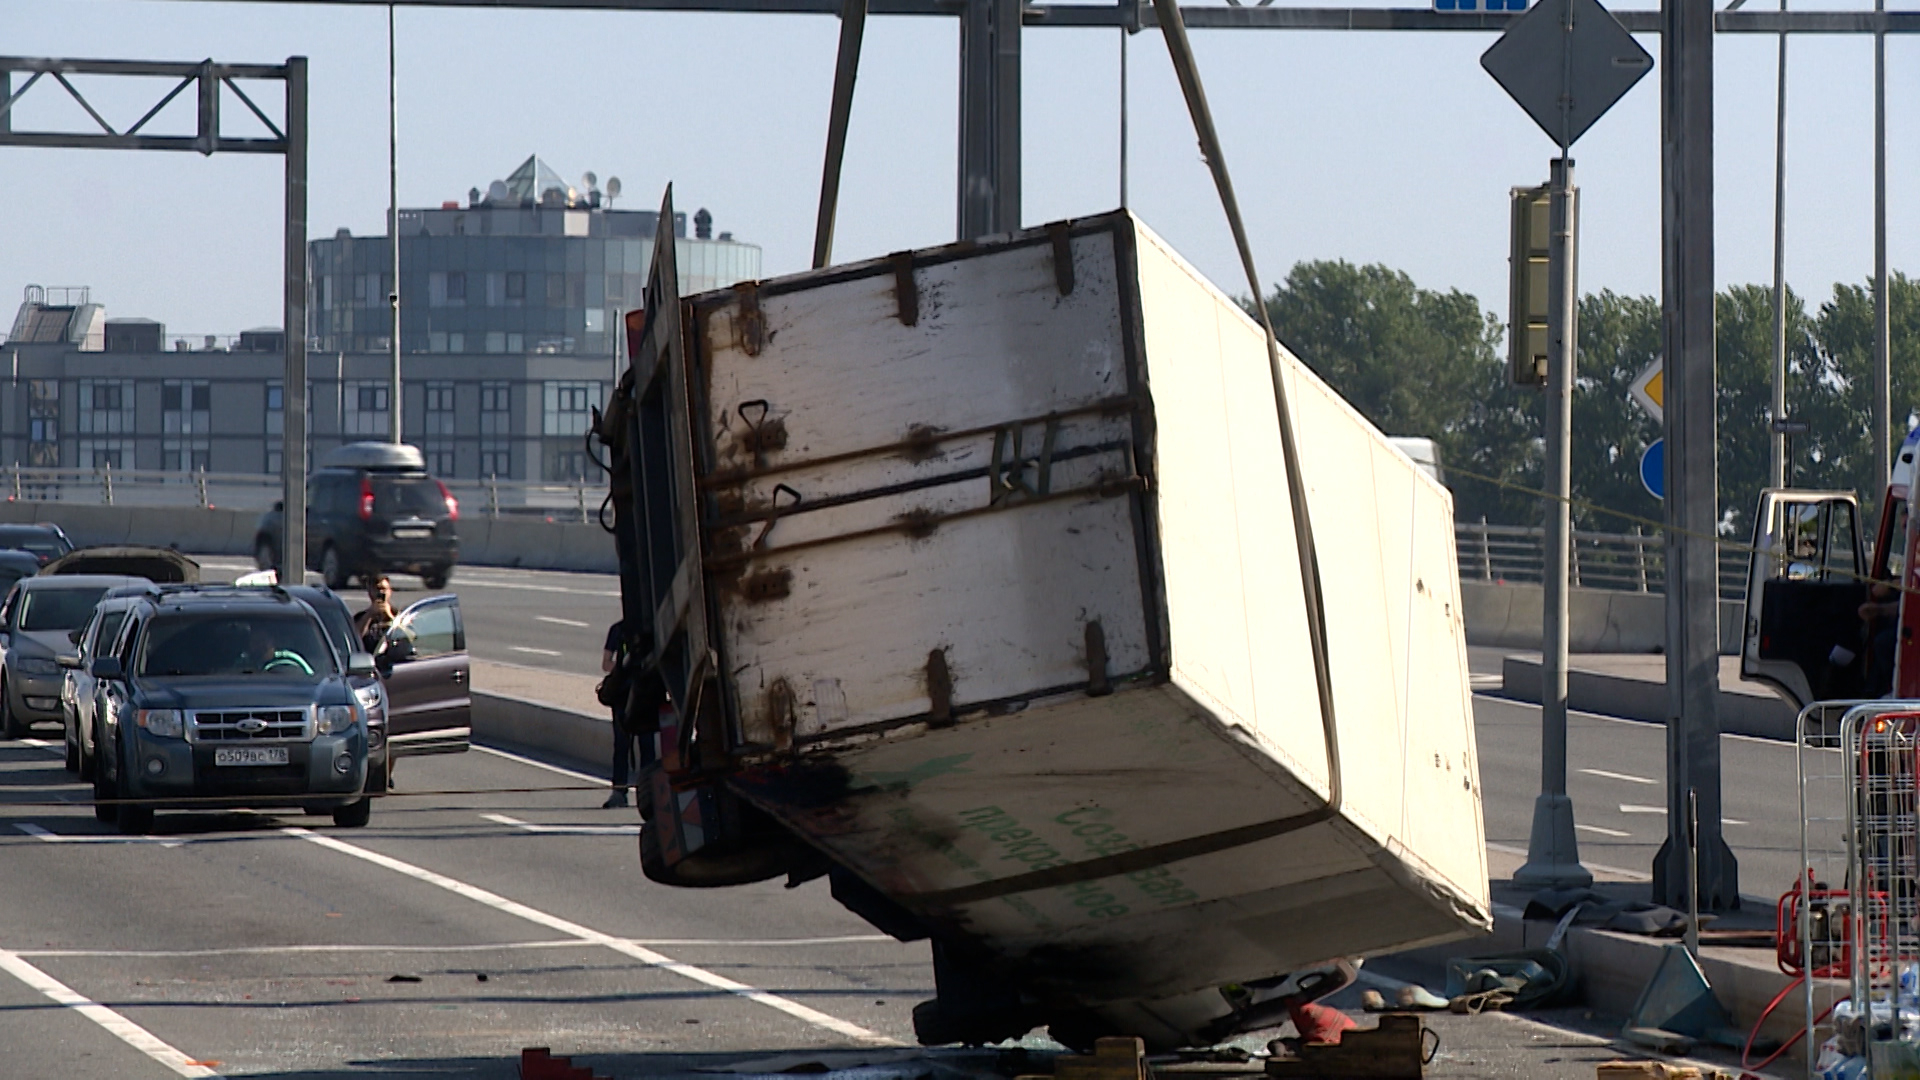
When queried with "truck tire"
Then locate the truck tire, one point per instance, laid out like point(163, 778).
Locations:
point(355, 814)
point(436, 577)
point(742, 866)
point(332, 569)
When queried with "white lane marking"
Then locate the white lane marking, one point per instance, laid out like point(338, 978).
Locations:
point(1481, 681)
point(504, 946)
point(619, 945)
point(525, 586)
point(116, 1025)
point(1629, 808)
point(39, 833)
point(534, 651)
point(524, 760)
point(1628, 777)
point(565, 830)
point(1598, 868)
point(561, 622)
point(1600, 831)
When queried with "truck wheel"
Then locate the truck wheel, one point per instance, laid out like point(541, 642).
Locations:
point(136, 820)
point(332, 569)
point(355, 814)
point(436, 577)
point(742, 866)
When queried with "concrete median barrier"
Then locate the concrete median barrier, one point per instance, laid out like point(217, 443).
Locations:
point(506, 721)
point(1508, 616)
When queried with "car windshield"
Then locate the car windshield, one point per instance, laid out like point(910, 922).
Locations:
point(58, 609)
point(273, 644)
point(398, 496)
point(42, 544)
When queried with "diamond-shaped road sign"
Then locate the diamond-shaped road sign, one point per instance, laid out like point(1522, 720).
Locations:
point(1566, 62)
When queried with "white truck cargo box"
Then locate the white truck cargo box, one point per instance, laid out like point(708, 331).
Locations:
point(986, 565)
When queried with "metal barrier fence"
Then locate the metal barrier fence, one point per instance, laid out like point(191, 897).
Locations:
point(257, 491)
point(1626, 562)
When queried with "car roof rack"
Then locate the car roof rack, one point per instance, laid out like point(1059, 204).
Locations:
point(378, 456)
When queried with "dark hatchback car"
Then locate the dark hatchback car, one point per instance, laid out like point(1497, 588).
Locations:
point(45, 542)
point(36, 623)
point(215, 699)
point(372, 508)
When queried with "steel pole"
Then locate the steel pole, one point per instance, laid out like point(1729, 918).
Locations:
point(1687, 329)
point(1123, 118)
point(1553, 852)
point(846, 69)
point(989, 159)
point(393, 224)
point(293, 394)
point(1882, 352)
point(1776, 438)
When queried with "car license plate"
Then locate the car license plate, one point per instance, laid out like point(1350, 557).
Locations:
point(250, 755)
point(412, 534)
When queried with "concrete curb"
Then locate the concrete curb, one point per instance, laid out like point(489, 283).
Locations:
point(1756, 715)
point(583, 740)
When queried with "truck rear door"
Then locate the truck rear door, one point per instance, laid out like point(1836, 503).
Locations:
point(1806, 580)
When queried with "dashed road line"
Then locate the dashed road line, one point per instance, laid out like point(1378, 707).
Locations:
point(116, 1025)
point(39, 833)
point(534, 651)
point(1629, 808)
point(1598, 831)
point(564, 830)
point(584, 933)
point(561, 622)
point(1627, 777)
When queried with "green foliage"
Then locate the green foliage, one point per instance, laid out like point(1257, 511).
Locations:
point(1419, 362)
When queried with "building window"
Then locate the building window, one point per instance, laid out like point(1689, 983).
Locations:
point(447, 288)
point(186, 410)
point(276, 405)
point(567, 407)
point(496, 423)
point(366, 407)
point(438, 444)
point(106, 453)
point(516, 287)
point(565, 461)
point(106, 407)
point(456, 287)
point(43, 422)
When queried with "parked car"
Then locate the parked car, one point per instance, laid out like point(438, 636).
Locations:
point(235, 693)
point(45, 541)
point(35, 623)
point(15, 565)
point(372, 508)
point(162, 566)
point(79, 690)
point(427, 676)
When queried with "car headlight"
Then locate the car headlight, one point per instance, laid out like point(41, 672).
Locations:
point(335, 719)
point(161, 722)
point(36, 665)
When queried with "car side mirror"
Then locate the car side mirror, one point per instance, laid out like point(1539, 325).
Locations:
point(107, 667)
point(361, 664)
point(68, 660)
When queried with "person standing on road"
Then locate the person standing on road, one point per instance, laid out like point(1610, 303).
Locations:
point(372, 624)
point(612, 656)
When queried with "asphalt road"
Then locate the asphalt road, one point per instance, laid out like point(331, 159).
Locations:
point(475, 916)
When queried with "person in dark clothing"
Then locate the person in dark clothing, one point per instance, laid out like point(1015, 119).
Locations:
point(615, 653)
point(1881, 613)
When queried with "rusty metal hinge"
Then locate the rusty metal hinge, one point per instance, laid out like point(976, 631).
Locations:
point(750, 324)
point(780, 713)
point(1060, 232)
point(906, 294)
point(1098, 685)
point(939, 689)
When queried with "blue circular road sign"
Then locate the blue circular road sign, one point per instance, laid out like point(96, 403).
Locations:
point(1653, 469)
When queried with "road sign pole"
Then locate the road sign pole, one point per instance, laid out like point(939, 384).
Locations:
point(1553, 853)
point(1693, 594)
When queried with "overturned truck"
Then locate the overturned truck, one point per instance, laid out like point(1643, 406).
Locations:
point(978, 586)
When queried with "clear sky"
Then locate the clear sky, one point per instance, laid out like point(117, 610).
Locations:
point(1372, 147)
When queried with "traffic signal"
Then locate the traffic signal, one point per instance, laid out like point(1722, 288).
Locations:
point(1527, 295)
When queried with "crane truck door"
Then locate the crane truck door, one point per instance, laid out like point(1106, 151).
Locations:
point(1805, 584)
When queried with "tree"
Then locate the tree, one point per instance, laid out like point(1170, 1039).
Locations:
point(1840, 444)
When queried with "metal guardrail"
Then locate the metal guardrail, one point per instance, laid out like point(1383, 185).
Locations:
point(1624, 562)
point(577, 502)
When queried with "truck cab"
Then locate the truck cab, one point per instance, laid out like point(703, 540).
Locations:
point(1807, 577)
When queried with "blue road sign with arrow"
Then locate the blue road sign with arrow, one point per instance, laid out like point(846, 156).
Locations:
point(1653, 469)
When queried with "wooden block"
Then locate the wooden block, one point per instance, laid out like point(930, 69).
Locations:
point(1112, 1059)
point(1645, 1070)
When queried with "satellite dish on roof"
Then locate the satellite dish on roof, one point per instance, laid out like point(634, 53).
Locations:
point(589, 181)
point(497, 191)
point(613, 187)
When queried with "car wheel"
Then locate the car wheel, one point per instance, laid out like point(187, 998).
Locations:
point(10, 725)
point(105, 791)
point(89, 759)
point(355, 814)
point(436, 578)
point(135, 820)
point(332, 570)
point(73, 750)
point(264, 555)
